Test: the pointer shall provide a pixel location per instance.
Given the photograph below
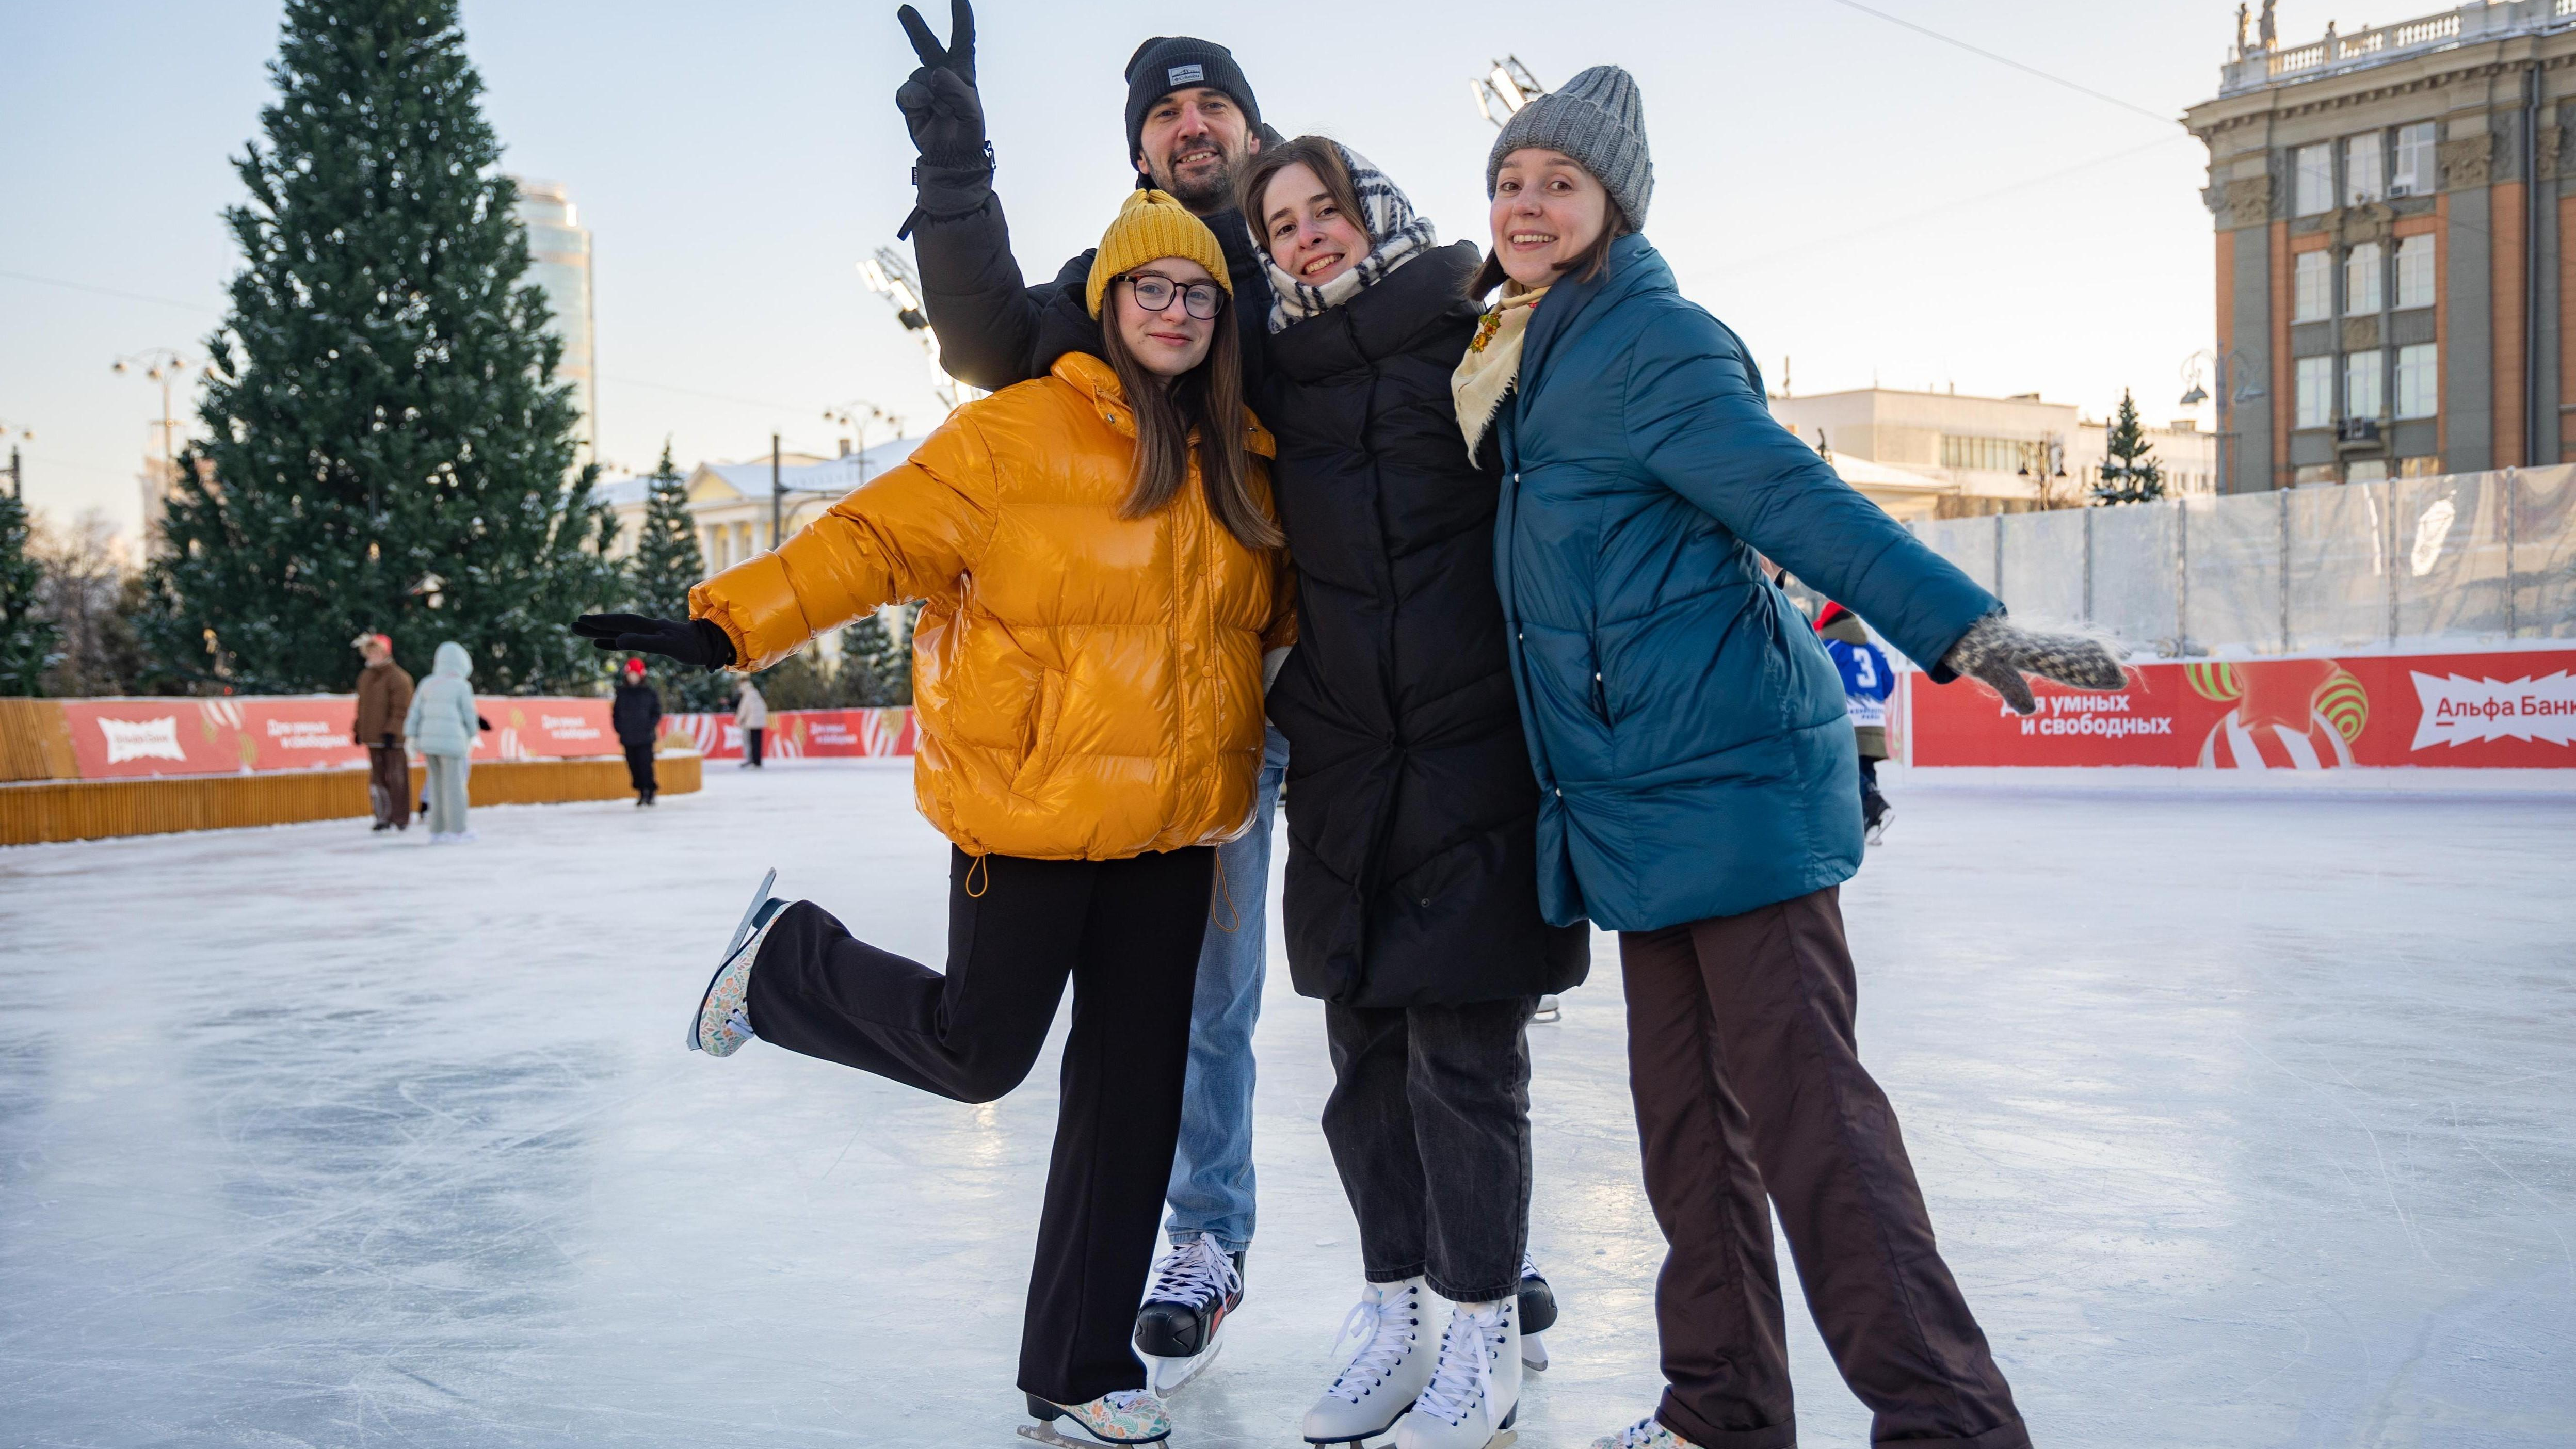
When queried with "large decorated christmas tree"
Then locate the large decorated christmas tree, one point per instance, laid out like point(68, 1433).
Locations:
point(391, 449)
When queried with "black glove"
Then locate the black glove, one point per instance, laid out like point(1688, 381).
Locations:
point(938, 100)
point(692, 641)
point(482, 724)
point(954, 177)
point(389, 739)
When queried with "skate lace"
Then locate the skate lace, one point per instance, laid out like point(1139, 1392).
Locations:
point(1195, 1273)
point(1119, 1401)
point(1385, 1330)
point(1529, 1266)
point(1465, 1376)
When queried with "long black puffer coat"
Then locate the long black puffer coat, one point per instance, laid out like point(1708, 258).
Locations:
point(1412, 809)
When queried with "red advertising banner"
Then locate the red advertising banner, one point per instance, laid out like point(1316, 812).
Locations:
point(2513, 710)
point(806, 734)
point(126, 738)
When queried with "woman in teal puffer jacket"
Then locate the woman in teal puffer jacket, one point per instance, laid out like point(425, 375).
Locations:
point(1697, 789)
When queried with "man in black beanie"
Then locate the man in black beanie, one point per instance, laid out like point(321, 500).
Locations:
point(1192, 127)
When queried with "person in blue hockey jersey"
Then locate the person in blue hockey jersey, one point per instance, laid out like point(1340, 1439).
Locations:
point(1867, 682)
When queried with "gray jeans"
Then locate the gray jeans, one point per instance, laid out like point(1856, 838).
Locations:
point(1429, 1126)
point(447, 775)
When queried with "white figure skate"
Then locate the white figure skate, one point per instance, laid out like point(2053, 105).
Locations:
point(1476, 1392)
point(1390, 1365)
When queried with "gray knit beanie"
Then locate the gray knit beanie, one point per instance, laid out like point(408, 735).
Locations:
point(1599, 119)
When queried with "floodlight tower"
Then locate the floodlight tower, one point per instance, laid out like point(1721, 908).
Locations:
point(889, 276)
point(1502, 91)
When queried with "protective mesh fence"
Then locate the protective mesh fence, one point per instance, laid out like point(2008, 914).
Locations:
point(2411, 562)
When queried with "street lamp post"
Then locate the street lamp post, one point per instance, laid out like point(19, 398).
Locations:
point(2233, 388)
point(162, 365)
point(855, 415)
point(17, 475)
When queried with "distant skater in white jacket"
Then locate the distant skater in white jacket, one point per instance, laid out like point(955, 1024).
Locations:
point(751, 712)
point(442, 726)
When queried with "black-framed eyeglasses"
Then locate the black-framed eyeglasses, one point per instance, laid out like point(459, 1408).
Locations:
point(1154, 294)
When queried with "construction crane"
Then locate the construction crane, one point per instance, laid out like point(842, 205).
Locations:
point(1502, 91)
point(889, 276)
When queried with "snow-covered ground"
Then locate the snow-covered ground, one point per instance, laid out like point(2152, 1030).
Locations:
point(2245, 1120)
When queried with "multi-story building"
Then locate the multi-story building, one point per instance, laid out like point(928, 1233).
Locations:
point(1947, 455)
point(559, 252)
point(2389, 207)
point(732, 504)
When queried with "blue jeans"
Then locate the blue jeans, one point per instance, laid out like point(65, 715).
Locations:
point(1211, 1191)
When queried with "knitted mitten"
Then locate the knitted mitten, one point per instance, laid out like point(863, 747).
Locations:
point(1999, 654)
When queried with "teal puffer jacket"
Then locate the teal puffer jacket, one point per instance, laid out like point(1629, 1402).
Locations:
point(442, 709)
point(1692, 744)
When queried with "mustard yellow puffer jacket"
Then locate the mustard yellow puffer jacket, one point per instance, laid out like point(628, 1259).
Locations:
point(1089, 686)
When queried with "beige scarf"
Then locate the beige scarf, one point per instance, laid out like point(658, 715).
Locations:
point(1492, 365)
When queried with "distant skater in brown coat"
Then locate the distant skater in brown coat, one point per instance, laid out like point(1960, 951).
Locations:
point(384, 697)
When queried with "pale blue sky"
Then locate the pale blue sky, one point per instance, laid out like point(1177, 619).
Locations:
point(1836, 187)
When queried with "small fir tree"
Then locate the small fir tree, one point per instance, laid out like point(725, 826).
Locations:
point(666, 564)
point(876, 660)
point(2131, 473)
point(390, 447)
point(26, 639)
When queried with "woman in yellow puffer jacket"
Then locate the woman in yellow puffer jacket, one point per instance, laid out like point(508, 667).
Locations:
point(1103, 578)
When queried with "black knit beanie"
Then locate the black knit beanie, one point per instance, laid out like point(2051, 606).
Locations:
point(1169, 63)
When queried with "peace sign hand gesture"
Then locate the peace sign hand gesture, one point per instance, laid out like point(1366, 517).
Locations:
point(938, 101)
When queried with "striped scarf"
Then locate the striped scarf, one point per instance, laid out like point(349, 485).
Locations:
point(1400, 236)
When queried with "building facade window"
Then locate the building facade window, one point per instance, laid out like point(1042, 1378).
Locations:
point(2312, 287)
point(2365, 385)
point(2419, 381)
point(2415, 272)
point(2418, 467)
point(2364, 173)
point(2315, 189)
point(2414, 174)
point(1990, 455)
point(2308, 473)
point(2315, 393)
point(2364, 281)
point(2366, 470)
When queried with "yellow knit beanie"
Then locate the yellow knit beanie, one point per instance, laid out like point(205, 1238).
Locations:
point(1152, 225)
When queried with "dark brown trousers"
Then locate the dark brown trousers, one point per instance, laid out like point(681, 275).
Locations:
point(1749, 1086)
point(389, 783)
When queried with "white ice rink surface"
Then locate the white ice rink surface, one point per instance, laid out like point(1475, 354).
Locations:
point(2245, 1121)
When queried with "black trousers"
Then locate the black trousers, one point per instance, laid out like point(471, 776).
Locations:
point(1126, 932)
point(1429, 1127)
point(751, 746)
point(389, 783)
point(1749, 1085)
point(639, 768)
point(1872, 803)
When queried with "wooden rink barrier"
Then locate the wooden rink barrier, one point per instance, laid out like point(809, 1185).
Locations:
point(42, 799)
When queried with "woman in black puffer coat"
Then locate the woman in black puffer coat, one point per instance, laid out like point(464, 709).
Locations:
point(1412, 897)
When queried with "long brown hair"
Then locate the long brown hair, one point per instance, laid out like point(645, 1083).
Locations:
point(1316, 154)
point(1208, 397)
